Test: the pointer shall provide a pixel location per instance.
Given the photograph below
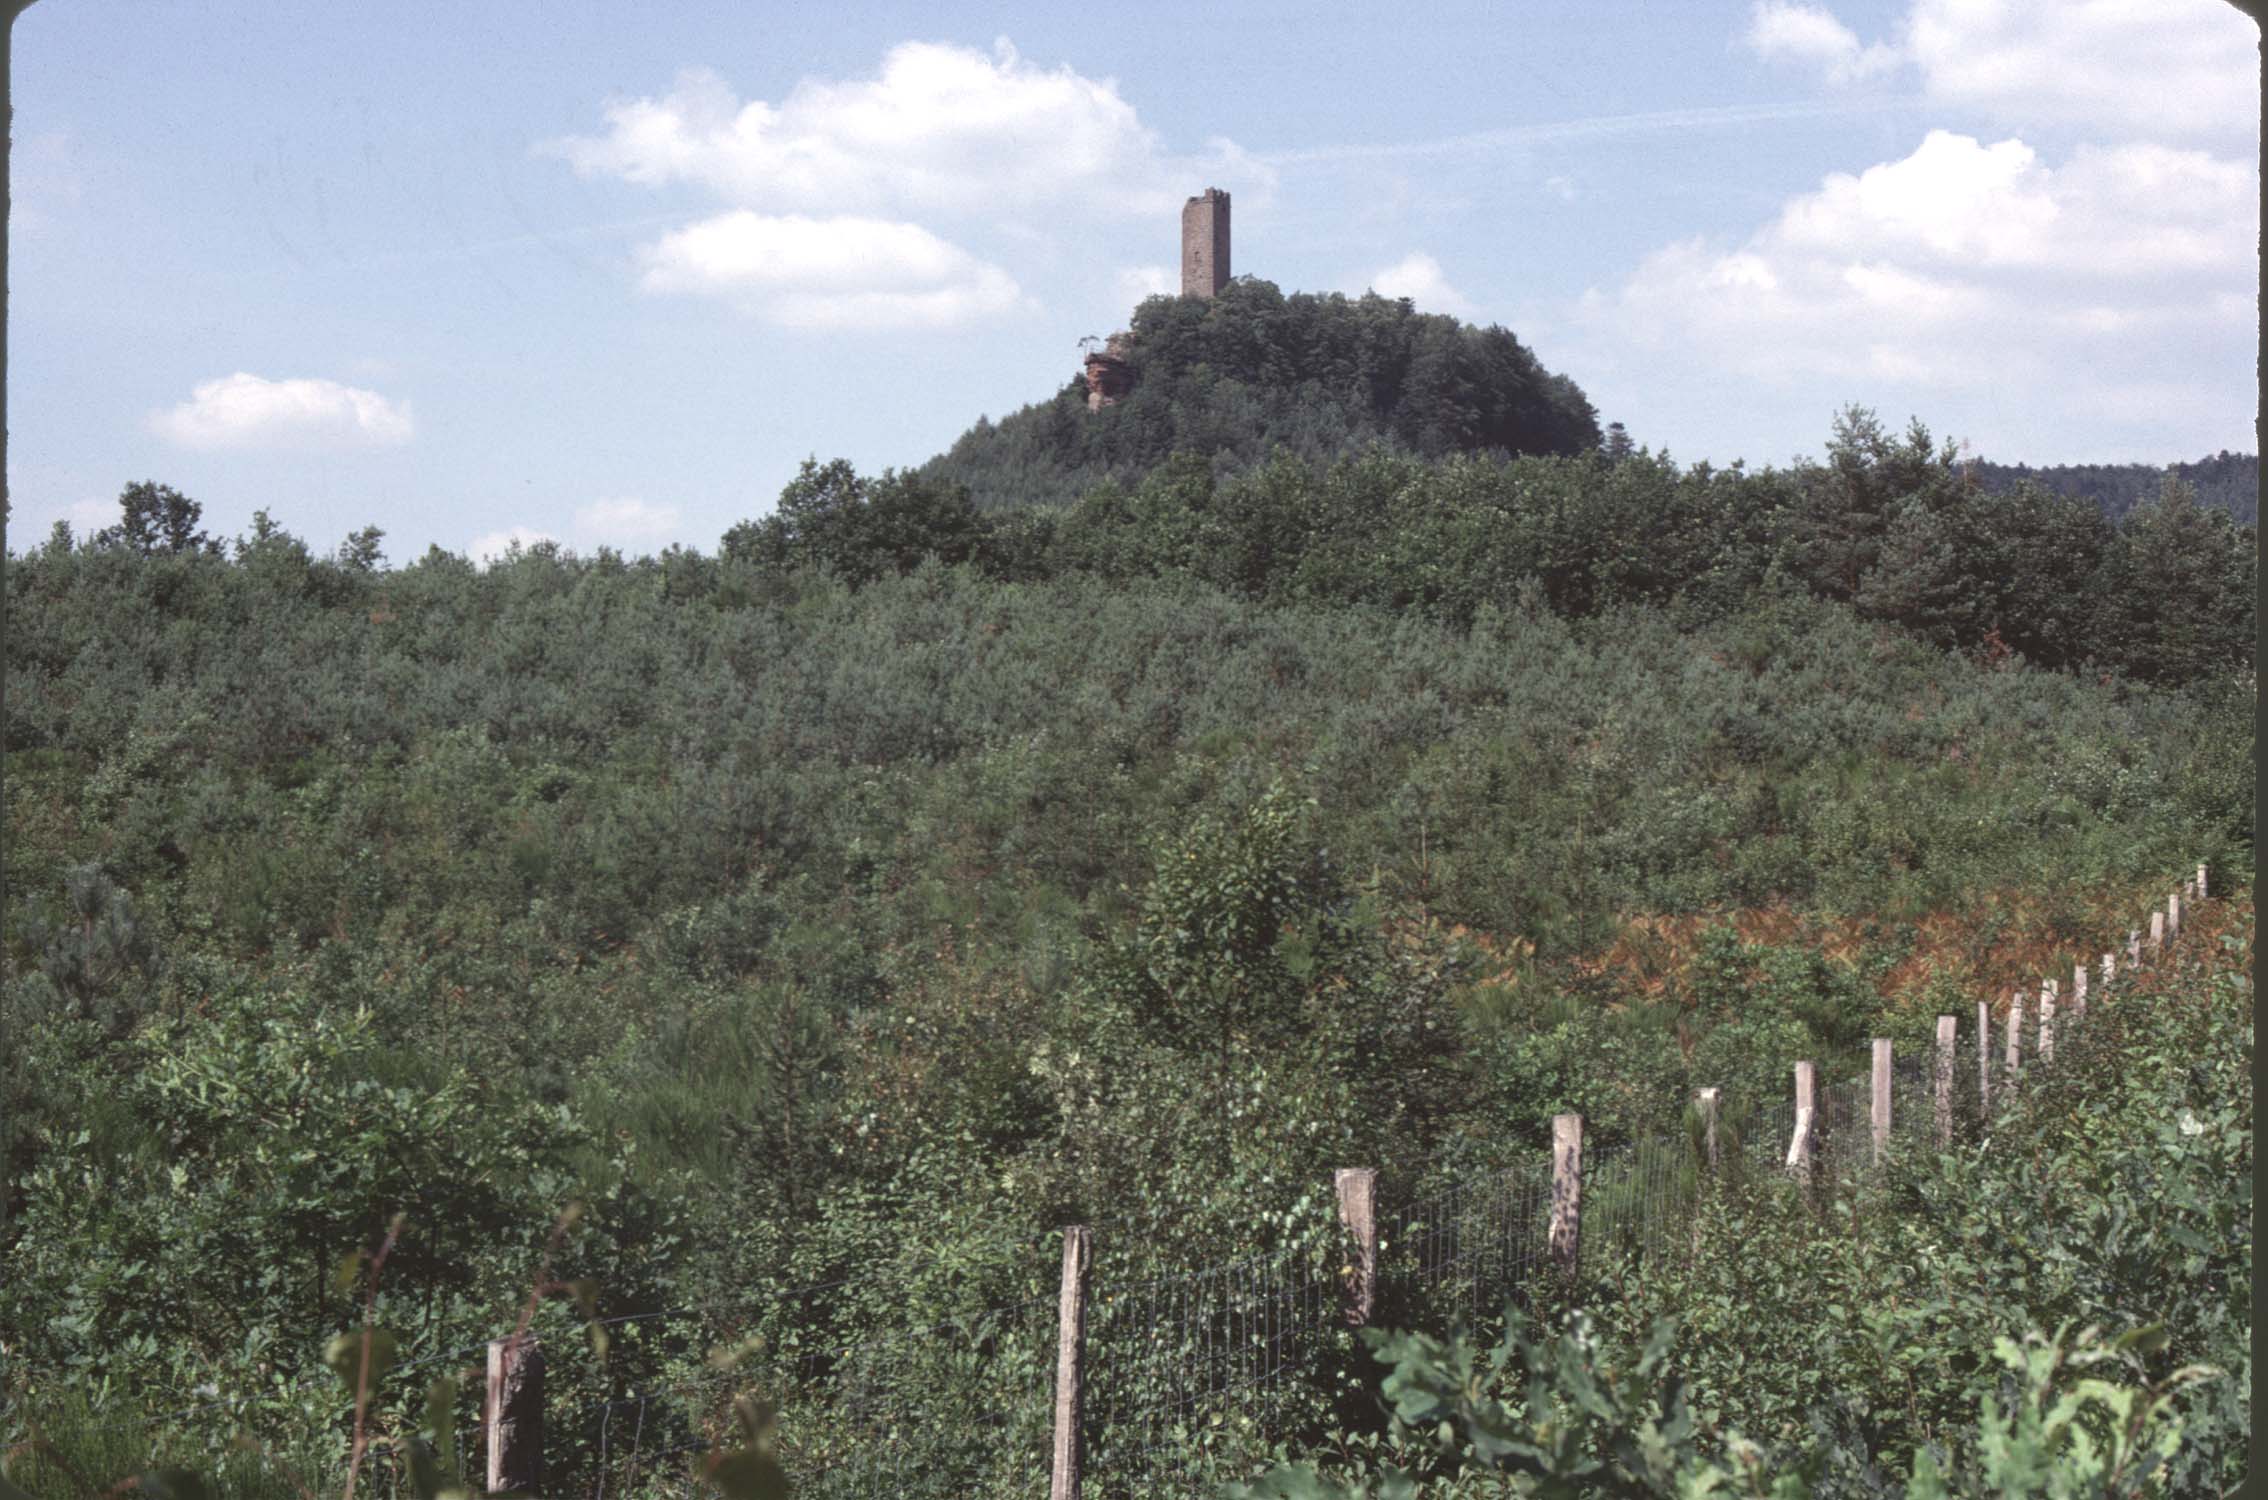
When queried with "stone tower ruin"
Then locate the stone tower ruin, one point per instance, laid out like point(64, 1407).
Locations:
point(1204, 271)
point(1204, 244)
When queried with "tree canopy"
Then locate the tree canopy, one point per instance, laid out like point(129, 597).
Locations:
point(1233, 378)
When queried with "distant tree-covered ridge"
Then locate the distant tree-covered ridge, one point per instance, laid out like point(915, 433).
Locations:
point(2225, 481)
point(1237, 376)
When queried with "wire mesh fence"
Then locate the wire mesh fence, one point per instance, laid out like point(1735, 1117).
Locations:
point(955, 1407)
point(1190, 1372)
point(1636, 1196)
point(1196, 1369)
point(1459, 1251)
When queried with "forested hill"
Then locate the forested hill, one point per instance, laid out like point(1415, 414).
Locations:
point(1236, 376)
point(2225, 481)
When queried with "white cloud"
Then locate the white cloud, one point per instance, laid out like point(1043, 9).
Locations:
point(938, 128)
point(1967, 267)
point(626, 522)
point(29, 524)
point(2138, 69)
point(92, 515)
point(837, 186)
point(248, 411)
point(2150, 66)
point(1418, 276)
point(47, 177)
point(1133, 283)
point(2122, 210)
point(828, 273)
point(1787, 30)
point(493, 547)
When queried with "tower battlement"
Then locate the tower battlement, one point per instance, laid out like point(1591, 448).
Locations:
point(1205, 244)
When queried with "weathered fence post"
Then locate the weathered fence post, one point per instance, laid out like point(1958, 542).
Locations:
point(1945, 1038)
point(1357, 1190)
point(2078, 992)
point(1071, 1363)
point(2173, 915)
point(1802, 1140)
point(2133, 945)
point(512, 1414)
point(2157, 932)
point(2047, 1021)
point(2015, 1048)
point(1708, 1102)
point(1984, 1056)
point(1566, 1190)
point(2200, 882)
point(1878, 1098)
point(2110, 971)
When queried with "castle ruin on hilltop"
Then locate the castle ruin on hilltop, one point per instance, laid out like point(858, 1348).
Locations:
point(1204, 271)
point(1204, 244)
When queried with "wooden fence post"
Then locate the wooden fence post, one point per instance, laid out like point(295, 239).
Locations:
point(2110, 971)
point(1566, 1190)
point(2157, 933)
point(1357, 1191)
point(2047, 1021)
point(2015, 1048)
point(2201, 882)
point(1878, 1098)
point(512, 1414)
point(1984, 1056)
point(1802, 1140)
point(2078, 992)
point(1071, 1363)
point(2133, 945)
point(2173, 915)
point(1945, 1038)
point(1708, 1102)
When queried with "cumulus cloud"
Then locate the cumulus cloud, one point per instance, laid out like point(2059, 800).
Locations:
point(2146, 66)
point(91, 515)
point(496, 544)
point(838, 272)
point(2125, 210)
point(626, 522)
point(1968, 266)
point(836, 188)
point(31, 520)
point(2102, 292)
point(1789, 31)
point(1137, 282)
point(248, 411)
point(938, 127)
point(47, 177)
point(1418, 276)
point(2142, 69)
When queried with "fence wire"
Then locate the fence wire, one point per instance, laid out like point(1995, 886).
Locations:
point(1192, 1370)
point(1186, 1372)
point(1460, 1251)
point(959, 1406)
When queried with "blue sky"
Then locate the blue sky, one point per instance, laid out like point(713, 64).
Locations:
point(608, 276)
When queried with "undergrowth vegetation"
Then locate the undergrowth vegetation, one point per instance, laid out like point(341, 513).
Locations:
point(2061, 1305)
point(833, 913)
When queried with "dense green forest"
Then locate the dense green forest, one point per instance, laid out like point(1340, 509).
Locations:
point(1889, 525)
point(2226, 481)
point(1236, 377)
point(853, 907)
